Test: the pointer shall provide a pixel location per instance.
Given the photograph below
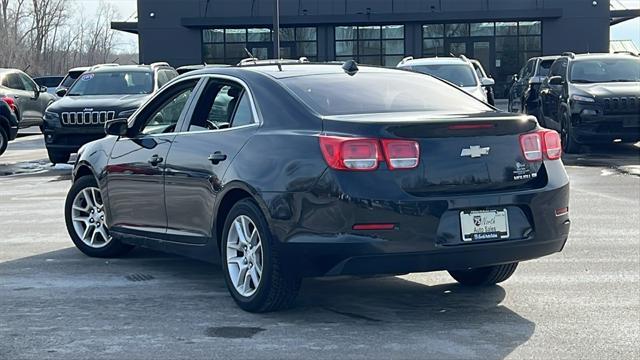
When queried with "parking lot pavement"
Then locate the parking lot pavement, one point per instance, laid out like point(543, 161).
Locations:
point(56, 303)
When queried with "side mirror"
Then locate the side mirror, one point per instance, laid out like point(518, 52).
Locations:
point(536, 80)
point(61, 92)
point(42, 89)
point(117, 127)
point(556, 80)
point(487, 82)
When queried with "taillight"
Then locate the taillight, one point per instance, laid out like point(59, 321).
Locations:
point(364, 154)
point(350, 153)
point(546, 142)
point(552, 145)
point(401, 154)
point(11, 102)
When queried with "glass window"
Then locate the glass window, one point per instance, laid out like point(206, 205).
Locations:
point(346, 32)
point(166, 117)
point(371, 93)
point(605, 70)
point(113, 83)
point(213, 35)
point(509, 44)
point(543, 68)
point(235, 35)
point(433, 47)
point(506, 28)
point(482, 29)
point(13, 81)
point(530, 43)
point(29, 85)
point(393, 32)
point(462, 75)
point(530, 28)
point(221, 105)
point(259, 35)
point(244, 114)
point(287, 34)
point(457, 30)
point(306, 34)
point(433, 31)
point(370, 44)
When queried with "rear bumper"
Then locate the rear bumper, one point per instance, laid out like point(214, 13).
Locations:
point(13, 132)
point(320, 239)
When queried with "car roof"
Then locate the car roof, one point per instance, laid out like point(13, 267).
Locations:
point(307, 69)
point(121, 68)
point(547, 58)
point(579, 57)
point(81, 68)
point(436, 60)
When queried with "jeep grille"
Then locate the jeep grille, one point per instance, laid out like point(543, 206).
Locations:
point(85, 118)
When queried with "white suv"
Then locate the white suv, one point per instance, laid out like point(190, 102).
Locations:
point(458, 71)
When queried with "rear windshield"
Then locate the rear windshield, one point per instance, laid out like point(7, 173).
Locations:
point(545, 66)
point(461, 75)
point(605, 70)
point(371, 93)
point(113, 83)
point(48, 81)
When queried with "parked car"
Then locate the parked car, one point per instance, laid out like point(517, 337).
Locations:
point(31, 100)
point(458, 71)
point(477, 66)
point(525, 91)
point(50, 82)
point(188, 68)
point(593, 98)
point(8, 123)
point(275, 174)
point(101, 93)
point(69, 79)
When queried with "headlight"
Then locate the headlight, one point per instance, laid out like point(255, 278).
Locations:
point(126, 113)
point(51, 116)
point(583, 98)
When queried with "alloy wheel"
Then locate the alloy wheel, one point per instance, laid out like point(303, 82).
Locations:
point(88, 218)
point(244, 256)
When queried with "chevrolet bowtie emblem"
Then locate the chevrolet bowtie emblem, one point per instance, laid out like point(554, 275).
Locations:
point(475, 151)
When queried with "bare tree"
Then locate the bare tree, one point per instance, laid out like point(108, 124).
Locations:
point(38, 34)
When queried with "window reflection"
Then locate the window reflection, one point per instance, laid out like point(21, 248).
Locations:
point(373, 45)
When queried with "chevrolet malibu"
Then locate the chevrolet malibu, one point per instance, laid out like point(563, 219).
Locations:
point(281, 172)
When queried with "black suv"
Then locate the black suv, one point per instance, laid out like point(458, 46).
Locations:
point(102, 93)
point(8, 123)
point(525, 91)
point(593, 98)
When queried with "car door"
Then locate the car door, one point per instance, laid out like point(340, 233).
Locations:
point(136, 167)
point(551, 94)
point(38, 100)
point(222, 121)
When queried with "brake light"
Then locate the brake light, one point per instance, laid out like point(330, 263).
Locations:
point(11, 102)
point(543, 142)
point(552, 145)
point(401, 154)
point(342, 153)
point(364, 154)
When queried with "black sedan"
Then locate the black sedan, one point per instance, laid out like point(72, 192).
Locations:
point(283, 172)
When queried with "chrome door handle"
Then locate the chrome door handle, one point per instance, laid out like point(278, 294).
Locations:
point(217, 157)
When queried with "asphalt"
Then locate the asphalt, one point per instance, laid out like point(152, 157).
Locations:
point(583, 303)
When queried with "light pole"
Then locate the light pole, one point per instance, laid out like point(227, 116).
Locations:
point(276, 29)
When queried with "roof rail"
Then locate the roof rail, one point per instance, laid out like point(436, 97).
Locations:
point(256, 61)
point(464, 58)
point(626, 52)
point(405, 60)
point(570, 54)
point(97, 66)
point(160, 63)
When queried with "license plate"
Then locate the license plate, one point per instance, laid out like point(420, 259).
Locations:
point(484, 225)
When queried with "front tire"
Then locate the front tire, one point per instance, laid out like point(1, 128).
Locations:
point(58, 157)
point(254, 270)
point(569, 143)
point(486, 276)
point(86, 221)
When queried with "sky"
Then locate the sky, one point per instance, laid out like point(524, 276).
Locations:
point(629, 30)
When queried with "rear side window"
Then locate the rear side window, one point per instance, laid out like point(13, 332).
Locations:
point(222, 105)
point(369, 93)
point(545, 66)
point(70, 78)
point(164, 76)
point(13, 81)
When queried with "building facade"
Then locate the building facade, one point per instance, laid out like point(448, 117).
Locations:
point(502, 34)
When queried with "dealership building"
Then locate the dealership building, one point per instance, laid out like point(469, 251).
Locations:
point(502, 34)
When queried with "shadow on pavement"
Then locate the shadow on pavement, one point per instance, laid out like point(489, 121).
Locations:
point(448, 320)
point(622, 157)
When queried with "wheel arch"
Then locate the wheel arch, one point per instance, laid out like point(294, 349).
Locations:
point(84, 169)
point(233, 193)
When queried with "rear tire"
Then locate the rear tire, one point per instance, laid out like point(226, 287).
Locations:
point(85, 219)
point(486, 276)
point(256, 257)
point(4, 140)
point(58, 157)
